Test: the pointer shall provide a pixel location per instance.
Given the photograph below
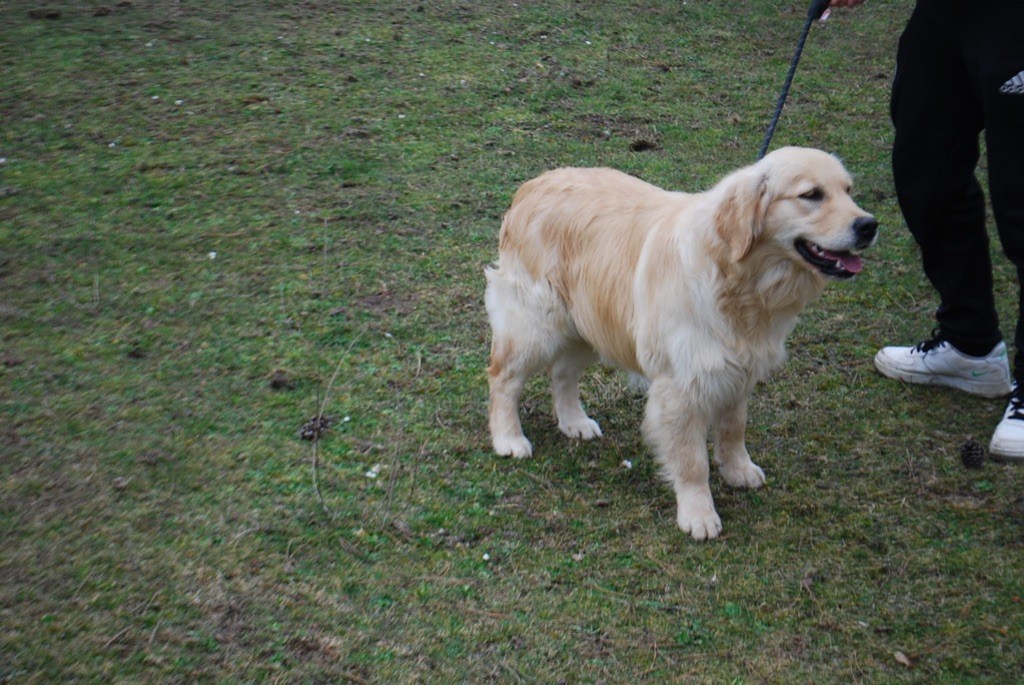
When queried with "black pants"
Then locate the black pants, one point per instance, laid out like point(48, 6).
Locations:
point(960, 71)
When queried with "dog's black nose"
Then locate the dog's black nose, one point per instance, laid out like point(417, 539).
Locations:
point(865, 228)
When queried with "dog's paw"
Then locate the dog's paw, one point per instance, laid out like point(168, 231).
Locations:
point(704, 525)
point(696, 513)
point(517, 446)
point(583, 429)
point(747, 475)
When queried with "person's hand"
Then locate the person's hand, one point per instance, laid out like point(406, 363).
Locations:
point(845, 3)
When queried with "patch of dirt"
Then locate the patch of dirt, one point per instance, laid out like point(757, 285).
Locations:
point(640, 133)
point(231, 627)
point(381, 302)
point(280, 380)
point(643, 145)
point(321, 649)
point(315, 428)
point(44, 13)
point(9, 436)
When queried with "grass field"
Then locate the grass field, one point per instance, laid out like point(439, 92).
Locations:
point(219, 219)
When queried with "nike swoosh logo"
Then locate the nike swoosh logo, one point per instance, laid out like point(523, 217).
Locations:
point(979, 374)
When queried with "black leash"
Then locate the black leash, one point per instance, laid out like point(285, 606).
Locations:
point(814, 13)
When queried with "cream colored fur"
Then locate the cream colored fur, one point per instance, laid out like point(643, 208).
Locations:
point(694, 292)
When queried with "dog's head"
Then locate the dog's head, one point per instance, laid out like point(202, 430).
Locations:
point(796, 200)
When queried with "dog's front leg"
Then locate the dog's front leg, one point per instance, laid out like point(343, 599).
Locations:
point(731, 454)
point(677, 430)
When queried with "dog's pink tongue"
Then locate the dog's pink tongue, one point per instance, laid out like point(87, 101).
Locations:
point(849, 261)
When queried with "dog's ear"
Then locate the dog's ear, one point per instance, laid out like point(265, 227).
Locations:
point(740, 216)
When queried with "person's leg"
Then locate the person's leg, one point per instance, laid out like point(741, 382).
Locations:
point(995, 60)
point(994, 52)
point(938, 119)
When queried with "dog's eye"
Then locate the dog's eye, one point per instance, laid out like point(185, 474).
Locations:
point(814, 195)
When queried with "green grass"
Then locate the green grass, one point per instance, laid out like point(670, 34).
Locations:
point(200, 198)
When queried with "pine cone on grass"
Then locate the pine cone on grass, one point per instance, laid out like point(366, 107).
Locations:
point(972, 454)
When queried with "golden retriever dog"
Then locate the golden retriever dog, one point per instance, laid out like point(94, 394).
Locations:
point(694, 292)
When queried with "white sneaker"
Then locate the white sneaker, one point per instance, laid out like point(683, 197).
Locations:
point(1008, 440)
point(936, 362)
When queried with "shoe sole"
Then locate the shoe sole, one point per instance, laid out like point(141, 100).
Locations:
point(990, 390)
point(1006, 458)
point(997, 454)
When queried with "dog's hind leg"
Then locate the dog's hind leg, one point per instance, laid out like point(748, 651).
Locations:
point(566, 372)
point(506, 382)
point(522, 344)
point(677, 430)
point(731, 454)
